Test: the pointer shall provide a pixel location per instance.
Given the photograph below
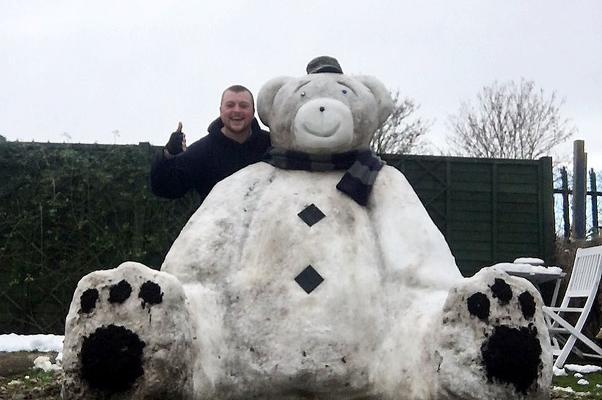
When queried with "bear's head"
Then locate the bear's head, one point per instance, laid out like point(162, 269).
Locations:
point(324, 111)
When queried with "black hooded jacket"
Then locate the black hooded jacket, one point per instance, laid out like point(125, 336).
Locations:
point(206, 162)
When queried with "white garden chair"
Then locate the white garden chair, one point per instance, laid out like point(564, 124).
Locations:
point(583, 284)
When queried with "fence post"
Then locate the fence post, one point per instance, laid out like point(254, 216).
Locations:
point(565, 203)
point(579, 188)
point(594, 193)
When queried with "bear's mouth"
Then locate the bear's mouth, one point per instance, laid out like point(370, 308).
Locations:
point(321, 132)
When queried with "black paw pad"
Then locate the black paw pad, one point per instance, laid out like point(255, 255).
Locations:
point(88, 300)
point(512, 356)
point(502, 291)
point(527, 304)
point(150, 293)
point(478, 305)
point(120, 292)
point(111, 359)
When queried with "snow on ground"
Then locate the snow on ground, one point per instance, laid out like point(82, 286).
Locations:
point(563, 389)
point(44, 363)
point(579, 369)
point(14, 342)
point(583, 369)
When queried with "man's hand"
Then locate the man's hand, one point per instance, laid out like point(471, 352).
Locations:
point(176, 144)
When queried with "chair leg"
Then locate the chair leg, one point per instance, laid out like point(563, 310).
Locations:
point(566, 350)
point(571, 341)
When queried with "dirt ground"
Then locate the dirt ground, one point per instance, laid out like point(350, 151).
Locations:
point(19, 381)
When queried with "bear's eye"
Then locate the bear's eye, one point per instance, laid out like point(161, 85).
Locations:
point(344, 91)
point(302, 94)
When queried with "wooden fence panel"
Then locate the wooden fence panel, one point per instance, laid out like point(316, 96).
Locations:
point(489, 210)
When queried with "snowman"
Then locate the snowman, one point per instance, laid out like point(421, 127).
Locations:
point(316, 274)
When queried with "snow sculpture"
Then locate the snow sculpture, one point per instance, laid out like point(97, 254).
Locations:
point(317, 274)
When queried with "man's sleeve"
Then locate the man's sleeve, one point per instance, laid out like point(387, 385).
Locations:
point(172, 178)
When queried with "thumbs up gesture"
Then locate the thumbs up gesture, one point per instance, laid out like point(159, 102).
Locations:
point(177, 141)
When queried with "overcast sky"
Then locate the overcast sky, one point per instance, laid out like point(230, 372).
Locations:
point(78, 71)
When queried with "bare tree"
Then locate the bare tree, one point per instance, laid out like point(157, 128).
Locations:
point(402, 132)
point(511, 121)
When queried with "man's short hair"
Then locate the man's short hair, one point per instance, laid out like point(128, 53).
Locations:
point(238, 89)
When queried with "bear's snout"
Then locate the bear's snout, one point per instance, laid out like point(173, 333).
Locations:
point(324, 123)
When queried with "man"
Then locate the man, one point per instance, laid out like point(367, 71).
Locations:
point(235, 140)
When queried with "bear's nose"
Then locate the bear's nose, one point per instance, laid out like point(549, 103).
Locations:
point(322, 109)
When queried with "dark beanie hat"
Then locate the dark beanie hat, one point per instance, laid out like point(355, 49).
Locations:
point(324, 64)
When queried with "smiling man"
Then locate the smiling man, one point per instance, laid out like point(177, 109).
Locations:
point(235, 140)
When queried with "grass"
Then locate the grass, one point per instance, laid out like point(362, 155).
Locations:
point(34, 384)
point(587, 392)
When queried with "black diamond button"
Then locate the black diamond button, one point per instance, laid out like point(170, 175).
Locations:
point(309, 279)
point(311, 215)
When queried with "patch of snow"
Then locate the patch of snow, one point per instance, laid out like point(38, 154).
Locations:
point(563, 389)
point(14, 382)
point(43, 363)
point(569, 390)
point(14, 342)
point(529, 260)
point(582, 382)
point(559, 372)
point(584, 369)
point(578, 375)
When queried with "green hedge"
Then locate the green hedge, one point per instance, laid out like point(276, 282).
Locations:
point(67, 210)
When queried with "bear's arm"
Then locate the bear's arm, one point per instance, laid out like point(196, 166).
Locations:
point(210, 244)
point(410, 242)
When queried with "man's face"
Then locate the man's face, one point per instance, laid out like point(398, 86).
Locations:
point(236, 112)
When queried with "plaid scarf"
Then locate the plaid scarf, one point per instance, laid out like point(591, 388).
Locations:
point(362, 168)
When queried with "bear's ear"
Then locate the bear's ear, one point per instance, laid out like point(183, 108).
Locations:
point(381, 94)
point(265, 99)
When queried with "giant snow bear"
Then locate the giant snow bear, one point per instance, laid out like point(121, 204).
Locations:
point(314, 275)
